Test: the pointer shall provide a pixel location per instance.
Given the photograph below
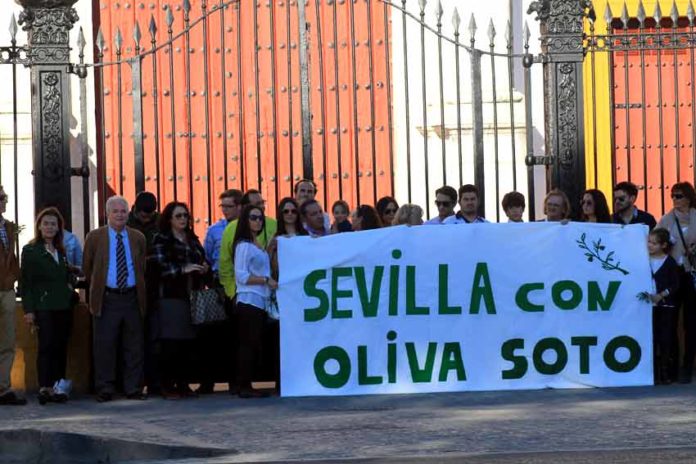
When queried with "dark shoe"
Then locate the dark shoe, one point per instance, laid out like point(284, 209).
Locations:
point(11, 398)
point(137, 396)
point(206, 388)
point(170, 394)
point(45, 396)
point(252, 393)
point(186, 392)
point(685, 375)
point(104, 397)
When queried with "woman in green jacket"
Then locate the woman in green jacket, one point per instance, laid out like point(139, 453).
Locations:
point(47, 297)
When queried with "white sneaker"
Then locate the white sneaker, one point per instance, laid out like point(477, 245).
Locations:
point(62, 389)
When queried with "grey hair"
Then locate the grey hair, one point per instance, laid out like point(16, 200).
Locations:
point(115, 199)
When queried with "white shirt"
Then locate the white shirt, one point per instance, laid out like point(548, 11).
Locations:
point(250, 260)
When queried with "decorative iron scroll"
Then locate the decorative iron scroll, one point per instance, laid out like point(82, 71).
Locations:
point(51, 125)
point(567, 115)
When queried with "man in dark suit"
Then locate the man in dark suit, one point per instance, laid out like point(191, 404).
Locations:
point(114, 265)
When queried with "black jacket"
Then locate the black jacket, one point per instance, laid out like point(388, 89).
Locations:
point(667, 278)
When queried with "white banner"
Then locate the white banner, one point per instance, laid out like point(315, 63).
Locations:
point(465, 307)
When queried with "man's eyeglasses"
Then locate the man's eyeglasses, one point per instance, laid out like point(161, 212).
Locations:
point(677, 196)
point(255, 217)
point(444, 204)
point(222, 205)
point(620, 199)
point(289, 211)
point(181, 215)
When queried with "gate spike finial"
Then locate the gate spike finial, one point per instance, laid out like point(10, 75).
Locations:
point(624, 16)
point(118, 40)
point(13, 28)
point(187, 6)
point(472, 27)
point(674, 14)
point(456, 21)
point(137, 34)
point(101, 43)
point(169, 17)
point(438, 12)
point(690, 13)
point(153, 27)
point(81, 42)
point(527, 34)
point(491, 32)
point(422, 4)
point(608, 15)
point(657, 14)
point(508, 33)
point(641, 13)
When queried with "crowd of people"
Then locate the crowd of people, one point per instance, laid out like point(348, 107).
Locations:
point(140, 270)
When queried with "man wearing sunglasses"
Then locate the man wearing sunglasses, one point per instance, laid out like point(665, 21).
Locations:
point(9, 273)
point(625, 211)
point(445, 200)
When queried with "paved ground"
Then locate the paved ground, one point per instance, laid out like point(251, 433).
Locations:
point(621, 425)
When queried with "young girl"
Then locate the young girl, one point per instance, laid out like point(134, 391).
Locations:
point(340, 211)
point(665, 277)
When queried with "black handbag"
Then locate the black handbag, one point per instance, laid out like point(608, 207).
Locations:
point(207, 306)
point(687, 254)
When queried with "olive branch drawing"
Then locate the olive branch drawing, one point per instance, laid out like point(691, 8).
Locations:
point(595, 253)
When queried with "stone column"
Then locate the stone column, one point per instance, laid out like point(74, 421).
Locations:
point(48, 24)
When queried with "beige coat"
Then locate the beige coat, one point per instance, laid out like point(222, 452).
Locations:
point(95, 265)
point(668, 222)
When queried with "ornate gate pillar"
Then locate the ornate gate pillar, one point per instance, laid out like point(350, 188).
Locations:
point(48, 24)
point(561, 27)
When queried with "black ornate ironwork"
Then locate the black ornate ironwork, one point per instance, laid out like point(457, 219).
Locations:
point(48, 24)
point(562, 44)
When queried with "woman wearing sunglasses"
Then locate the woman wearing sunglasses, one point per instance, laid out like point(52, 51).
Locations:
point(681, 224)
point(594, 207)
point(252, 269)
point(176, 265)
point(386, 208)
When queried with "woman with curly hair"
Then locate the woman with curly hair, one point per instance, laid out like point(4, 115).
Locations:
point(594, 207)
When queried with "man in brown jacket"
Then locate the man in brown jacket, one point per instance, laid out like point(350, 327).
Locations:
point(114, 265)
point(9, 273)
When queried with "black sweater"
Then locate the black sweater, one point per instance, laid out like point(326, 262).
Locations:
point(667, 278)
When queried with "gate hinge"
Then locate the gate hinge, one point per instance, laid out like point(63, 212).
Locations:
point(539, 160)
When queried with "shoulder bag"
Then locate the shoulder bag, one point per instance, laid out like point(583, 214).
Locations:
point(687, 253)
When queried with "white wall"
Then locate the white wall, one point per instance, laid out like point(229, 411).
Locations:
point(20, 207)
point(498, 10)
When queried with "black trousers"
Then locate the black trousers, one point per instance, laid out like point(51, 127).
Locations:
point(664, 340)
point(175, 362)
point(249, 330)
point(120, 320)
point(215, 347)
point(54, 333)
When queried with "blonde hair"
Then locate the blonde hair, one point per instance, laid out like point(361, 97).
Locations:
point(408, 214)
